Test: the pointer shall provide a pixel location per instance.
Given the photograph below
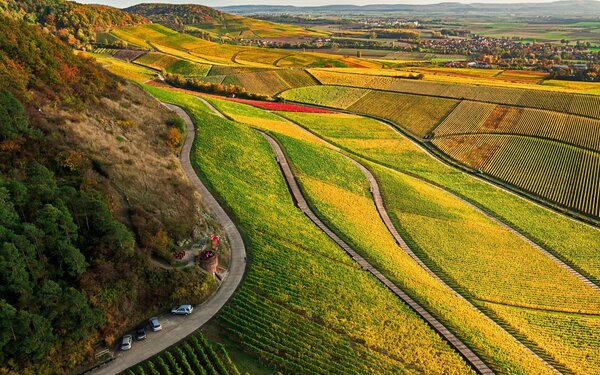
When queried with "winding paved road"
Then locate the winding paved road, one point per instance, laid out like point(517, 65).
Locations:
point(301, 203)
point(175, 328)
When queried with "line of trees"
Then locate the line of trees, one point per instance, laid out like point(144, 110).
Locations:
point(180, 81)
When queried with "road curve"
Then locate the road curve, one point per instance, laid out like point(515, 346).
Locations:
point(301, 203)
point(176, 328)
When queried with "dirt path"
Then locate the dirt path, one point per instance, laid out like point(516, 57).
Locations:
point(211, 107)
point(301, 203)
point(176, 328)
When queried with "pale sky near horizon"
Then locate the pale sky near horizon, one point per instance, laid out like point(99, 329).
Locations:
point(217, 3)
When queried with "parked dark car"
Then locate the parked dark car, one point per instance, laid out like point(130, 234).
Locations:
point(141, 333)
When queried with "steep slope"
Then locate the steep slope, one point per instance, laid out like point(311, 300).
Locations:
point(90, 188)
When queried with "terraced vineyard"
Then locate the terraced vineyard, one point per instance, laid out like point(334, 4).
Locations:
point(354, 214)
point(473, 117)
point(577, 104)
point(194, 356)
point(304, 306)
point(404, 110)
point(572, 241)
point(425, 209)
point(550, 154)
point(558, 164)
point(561, 173)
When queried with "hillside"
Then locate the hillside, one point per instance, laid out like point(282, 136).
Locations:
point(198, 19)
point(91, 188)
point(76, 24)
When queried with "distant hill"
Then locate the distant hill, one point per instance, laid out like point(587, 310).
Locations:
point(178, 15)
point(587, 8)
point(198, 19)
point(74, 23)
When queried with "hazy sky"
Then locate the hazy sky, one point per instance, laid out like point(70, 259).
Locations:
point(216, 3)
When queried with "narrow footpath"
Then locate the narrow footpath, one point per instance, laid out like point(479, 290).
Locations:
point(301, 203)
point(176, 328)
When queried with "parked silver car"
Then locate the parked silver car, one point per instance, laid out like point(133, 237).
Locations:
point(182, 310)
point(155, 324)
point(126, 342)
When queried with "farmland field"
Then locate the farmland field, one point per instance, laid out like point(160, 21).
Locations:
point(291, 300)
point(584, 105)
point(194, 356)
point(404, 110)
point(263, 81)
point(129, 71)
point(327, 176)
point(473, 118)
point(185, 46)
point(156, 60)
point(343, 202)
point(521, 146)
point(482, 75)
point(561, 173)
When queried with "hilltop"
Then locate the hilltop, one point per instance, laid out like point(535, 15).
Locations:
point(198, 19)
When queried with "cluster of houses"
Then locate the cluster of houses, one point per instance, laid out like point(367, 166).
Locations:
point(505, 49)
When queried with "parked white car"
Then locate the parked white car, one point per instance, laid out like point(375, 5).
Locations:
point(126, 342)
point(182, 310)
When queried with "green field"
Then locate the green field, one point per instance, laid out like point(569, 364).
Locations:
point(340, 192)
point(584, 105)
point(404, 110)
point(540, 32)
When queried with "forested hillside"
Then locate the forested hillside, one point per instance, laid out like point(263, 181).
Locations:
point(178, 15)
point(74, 23)
point(207, 22)
point(80, 212)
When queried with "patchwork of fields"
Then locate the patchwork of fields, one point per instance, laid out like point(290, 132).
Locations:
point(184, 46)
